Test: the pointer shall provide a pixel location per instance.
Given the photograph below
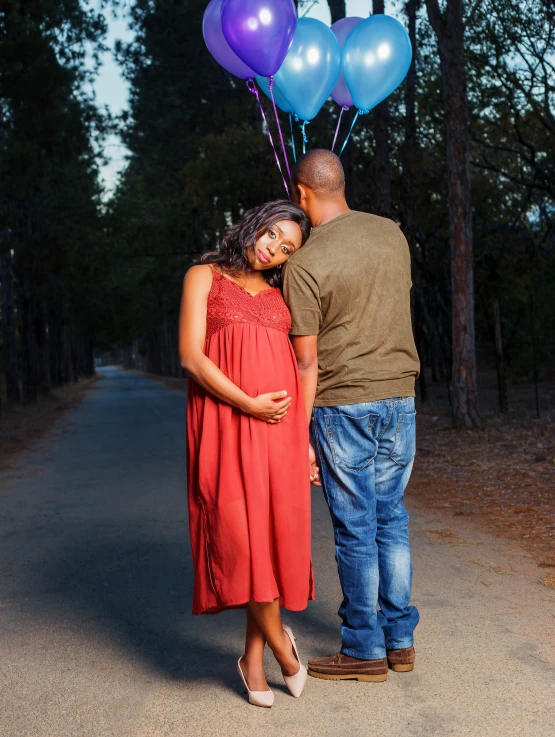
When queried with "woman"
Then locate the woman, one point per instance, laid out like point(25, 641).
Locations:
point(248, 476)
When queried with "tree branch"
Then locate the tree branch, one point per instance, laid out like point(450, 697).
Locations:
point(436, 18)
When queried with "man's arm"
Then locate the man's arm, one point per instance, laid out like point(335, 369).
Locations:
point(301, 293)
point(306, 352)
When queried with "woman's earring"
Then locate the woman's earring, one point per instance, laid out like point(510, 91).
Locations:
point(279, 266)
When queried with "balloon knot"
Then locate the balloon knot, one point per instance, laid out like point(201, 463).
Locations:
point(363, 112)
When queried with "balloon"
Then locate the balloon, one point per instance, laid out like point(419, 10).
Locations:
point(376, 58)
point(341, 29)
point(310, 70)
point(218, 46)
point(260, 32)
point(280, 100)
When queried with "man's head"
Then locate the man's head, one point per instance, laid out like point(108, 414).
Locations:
point(319, 184)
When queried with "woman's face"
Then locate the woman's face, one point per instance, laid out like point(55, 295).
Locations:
point(280, 241)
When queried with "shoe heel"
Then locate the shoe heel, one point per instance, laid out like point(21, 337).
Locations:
point(256, 698)
point(399, 668)
point(295, 683)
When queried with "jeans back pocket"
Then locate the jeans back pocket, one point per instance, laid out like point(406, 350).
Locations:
point(404, 448)
point(351, 441)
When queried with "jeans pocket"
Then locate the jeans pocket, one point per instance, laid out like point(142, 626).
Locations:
point(404, 448)
point(352, 444)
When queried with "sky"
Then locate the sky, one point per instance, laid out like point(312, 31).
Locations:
point(112, 90)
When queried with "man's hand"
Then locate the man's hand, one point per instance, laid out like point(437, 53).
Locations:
point(314, 470)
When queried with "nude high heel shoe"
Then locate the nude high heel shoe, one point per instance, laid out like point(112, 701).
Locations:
point(295, 683)
point(256, 698)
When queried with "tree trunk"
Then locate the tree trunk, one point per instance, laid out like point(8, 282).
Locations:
point(9, 329)
point(449, 29)
point(337, 9)
point(419, 339)
point(500, 364)
point(382, 167)
point(407, 183)
point(74, 352)
point(30, 353)
point(407, 191)
point(55, 340)
point(43, 337)
point(337, 12)
point(534, 351)
point(66, 363)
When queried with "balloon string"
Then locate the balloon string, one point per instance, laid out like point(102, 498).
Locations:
point(343, 108)
point(359, 112)
point(305, 139)
point(284, 150)
point(292, 137)
point(253, 88)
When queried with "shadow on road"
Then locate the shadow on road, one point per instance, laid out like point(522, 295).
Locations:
point(138, 592)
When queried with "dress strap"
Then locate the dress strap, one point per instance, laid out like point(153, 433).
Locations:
point(215, 271)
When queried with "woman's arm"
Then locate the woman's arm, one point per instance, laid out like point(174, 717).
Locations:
point(192, 334)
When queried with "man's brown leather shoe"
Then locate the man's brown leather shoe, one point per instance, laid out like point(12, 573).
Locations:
point(341, 667)
point(402, 660)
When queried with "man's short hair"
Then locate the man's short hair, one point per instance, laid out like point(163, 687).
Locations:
point(321, 171)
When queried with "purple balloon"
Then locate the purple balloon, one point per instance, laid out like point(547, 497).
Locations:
point(342, 28)
point(218, 46)
point(260, 32)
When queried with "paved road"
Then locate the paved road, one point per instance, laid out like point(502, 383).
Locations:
point(97, 639)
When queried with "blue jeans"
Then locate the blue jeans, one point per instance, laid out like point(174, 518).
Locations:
point(365, 453)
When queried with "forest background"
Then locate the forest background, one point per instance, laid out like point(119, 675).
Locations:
point(83, 273)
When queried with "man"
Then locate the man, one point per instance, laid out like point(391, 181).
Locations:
point(348, 291)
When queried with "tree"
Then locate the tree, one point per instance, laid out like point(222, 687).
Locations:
point(382, 166)
point(408, 223)
point(49, 194)
point(449, 30)
point(199, 157)
point(337, 9)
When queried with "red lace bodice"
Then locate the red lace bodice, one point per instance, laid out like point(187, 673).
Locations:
point(229, 303)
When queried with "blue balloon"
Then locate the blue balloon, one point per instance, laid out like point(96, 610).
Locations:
point(376, 58)
point(280, 100)
point(311, 68)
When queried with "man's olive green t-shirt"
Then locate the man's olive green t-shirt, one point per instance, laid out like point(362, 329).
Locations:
point(350, 285)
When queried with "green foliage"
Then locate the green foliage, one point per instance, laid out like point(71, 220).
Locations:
point(49, 195)
point(200, 157)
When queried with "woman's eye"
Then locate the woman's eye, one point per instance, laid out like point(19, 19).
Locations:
point(272, 234)
point(285, 249)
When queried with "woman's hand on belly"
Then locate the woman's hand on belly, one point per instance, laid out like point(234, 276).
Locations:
point(270, 408)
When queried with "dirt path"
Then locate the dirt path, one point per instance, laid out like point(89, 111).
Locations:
point(501, 477)
point(95, 588)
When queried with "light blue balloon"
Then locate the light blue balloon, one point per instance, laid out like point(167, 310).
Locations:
point(376, 58)
point(281, 102)
point(311, 68)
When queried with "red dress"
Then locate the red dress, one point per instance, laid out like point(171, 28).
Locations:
point(248, 481)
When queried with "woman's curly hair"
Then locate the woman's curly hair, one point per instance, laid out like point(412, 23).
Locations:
point(232, 255)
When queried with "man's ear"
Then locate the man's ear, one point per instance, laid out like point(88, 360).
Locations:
point(302, 193)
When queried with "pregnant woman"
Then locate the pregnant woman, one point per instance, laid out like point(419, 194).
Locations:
point(247, 463)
